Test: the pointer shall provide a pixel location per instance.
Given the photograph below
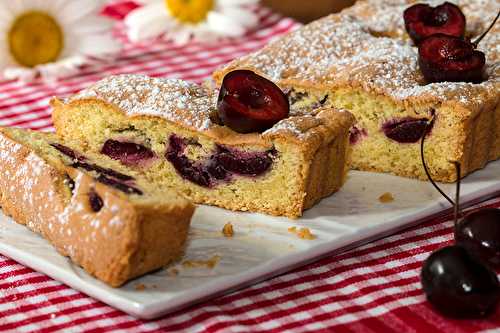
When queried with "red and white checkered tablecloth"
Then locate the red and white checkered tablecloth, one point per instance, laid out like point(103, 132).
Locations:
point(374, 288)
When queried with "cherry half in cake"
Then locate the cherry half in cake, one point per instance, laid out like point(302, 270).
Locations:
point(129, 153)
point(405, 130)
point(457, 279)
point(221, 165)
point(422, 21)
point(118, 180)
point(250, 103)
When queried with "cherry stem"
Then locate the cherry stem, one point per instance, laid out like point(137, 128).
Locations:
point(426, 131)
point(476, 42)
point(457, 192)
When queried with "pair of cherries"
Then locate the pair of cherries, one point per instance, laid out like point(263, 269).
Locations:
point(459, 280)
point(444, 53)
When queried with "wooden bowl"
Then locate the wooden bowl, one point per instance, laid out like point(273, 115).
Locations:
point(306, 11)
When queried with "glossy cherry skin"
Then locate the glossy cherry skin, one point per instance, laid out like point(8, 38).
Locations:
point(458, 285)
point(422, 21)
point(250, 103)
point(452, 59)
point(479, 233)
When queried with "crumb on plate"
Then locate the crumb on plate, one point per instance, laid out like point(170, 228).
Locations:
point(228, 231)
point(302, 233)
point(210, 263)
point(173, 272)
point(140, 287)
point(386, 197)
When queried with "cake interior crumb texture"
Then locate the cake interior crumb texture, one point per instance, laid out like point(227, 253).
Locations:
point(87, 212)
point(362, 60)
point(299, 161)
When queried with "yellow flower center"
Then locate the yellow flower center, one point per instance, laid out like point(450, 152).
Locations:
point(190, 11)
point(35, 38)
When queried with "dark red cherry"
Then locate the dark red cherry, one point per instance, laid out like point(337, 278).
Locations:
point(250, 103)
point(119, 185)
point(104, 171)
point(479, 233)
point(243, 163)
point(405, 130)
point(219, 166)
point(68, 152)
point(129, 153)
point(422, 21)
point(452, 59)
point(95, 201)
point(356, 134)
point(458, 285)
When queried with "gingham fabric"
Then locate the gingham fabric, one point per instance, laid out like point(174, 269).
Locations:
point(374, 288)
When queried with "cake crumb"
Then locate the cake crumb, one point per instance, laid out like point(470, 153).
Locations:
point(228, 231)
point(305, 233)
point(173, 272)
point(210, 263)
point(302, 233)
point(140, 287)
point(386, 197)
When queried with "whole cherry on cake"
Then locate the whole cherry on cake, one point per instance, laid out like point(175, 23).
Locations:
point(457, 279)
point(422, 21)
point(250, 103)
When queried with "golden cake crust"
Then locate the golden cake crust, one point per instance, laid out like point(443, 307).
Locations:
point(121, 241)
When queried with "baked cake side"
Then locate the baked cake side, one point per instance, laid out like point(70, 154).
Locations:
point(106, 222)
point(362, 60)
point(282, 171)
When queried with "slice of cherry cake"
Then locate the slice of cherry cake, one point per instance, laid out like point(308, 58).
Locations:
point(170, 132)
point(363, 60)
point(112, 223)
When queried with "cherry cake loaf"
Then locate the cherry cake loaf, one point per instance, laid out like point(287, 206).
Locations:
point(363, 60)
point(169, 131)
point(113, 224)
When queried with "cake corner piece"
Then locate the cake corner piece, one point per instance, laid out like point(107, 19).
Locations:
point(113, 233)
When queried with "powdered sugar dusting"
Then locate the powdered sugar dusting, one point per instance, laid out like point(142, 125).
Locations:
point(178, 101)
point(367, 47)
point(175, 100)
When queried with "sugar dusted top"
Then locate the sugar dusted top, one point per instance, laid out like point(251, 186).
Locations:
point(366, 47)
point(191, 106)
point(172, 99)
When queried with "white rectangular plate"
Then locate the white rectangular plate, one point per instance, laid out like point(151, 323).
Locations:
point(262, 245)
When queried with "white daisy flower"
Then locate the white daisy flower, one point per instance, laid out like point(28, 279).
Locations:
point(183, 20)
point(51, 38)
